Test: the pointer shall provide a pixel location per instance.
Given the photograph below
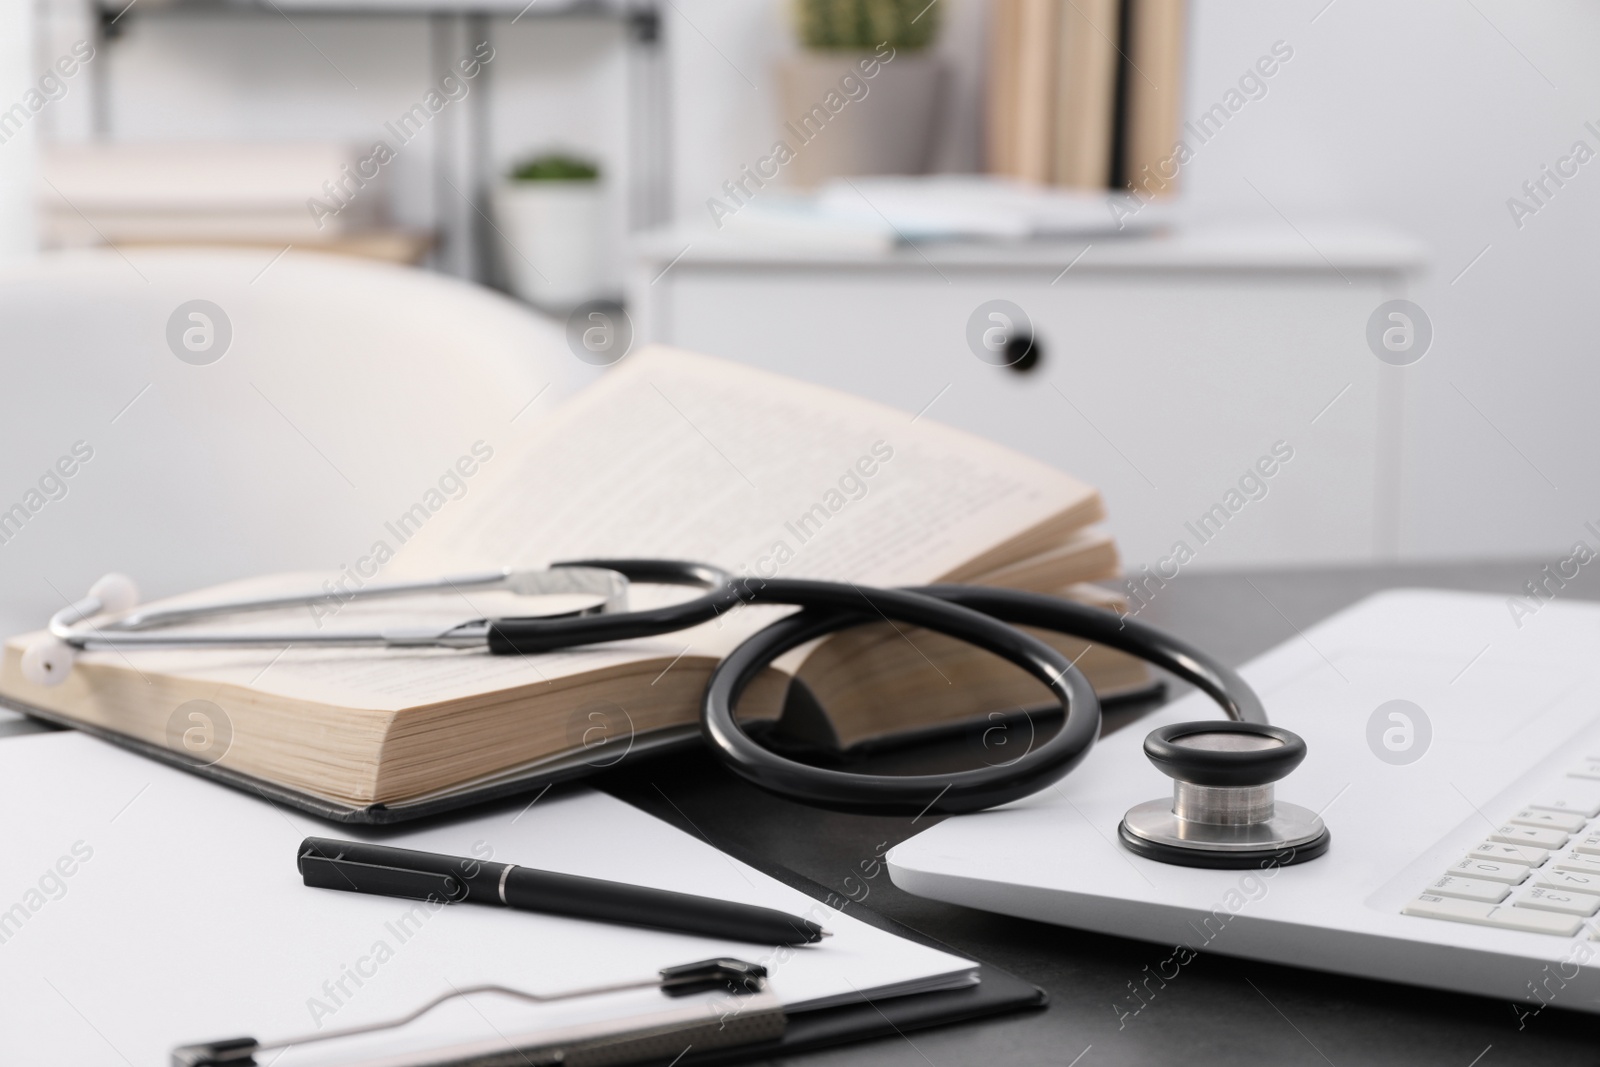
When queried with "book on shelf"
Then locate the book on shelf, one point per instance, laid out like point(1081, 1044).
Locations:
point(1000, 103)
point(1085, 94)
point(669, 455)
point(1153, 97)
point(1037, 25)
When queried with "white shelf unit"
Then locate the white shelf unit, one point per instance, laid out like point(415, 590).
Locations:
point(461, 161)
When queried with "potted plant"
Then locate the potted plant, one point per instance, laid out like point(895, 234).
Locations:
point(549, 214)
point(863, 95)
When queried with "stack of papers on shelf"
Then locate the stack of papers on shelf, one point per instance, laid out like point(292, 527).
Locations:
point(263, 193)
point(880, 212)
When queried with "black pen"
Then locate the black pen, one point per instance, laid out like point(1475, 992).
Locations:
point(399, 872)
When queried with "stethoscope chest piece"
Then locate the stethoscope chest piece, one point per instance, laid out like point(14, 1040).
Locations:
point(1222, 812)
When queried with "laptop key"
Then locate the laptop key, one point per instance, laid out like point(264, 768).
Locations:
point(1573, 880)
point(1558, 900)
point(1570, 797)
point(1589, 768)
point(1526, 920)
point(1489, 871)
point(1587, 864)
point(1470, 889)
point(1555, 820)
point(1589, 846)
point(1529, 835)
point(1496, 850)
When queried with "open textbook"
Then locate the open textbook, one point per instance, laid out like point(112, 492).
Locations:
point(671, 455)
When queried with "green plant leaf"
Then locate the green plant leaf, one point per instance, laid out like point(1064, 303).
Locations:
point(555, 167)
point(863, 25)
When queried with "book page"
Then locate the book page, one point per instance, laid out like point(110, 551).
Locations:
point(680, 456)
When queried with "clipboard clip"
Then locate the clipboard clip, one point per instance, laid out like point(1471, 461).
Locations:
point(755, 1016)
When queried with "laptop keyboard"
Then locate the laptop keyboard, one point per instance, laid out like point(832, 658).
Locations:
point(1538, 871)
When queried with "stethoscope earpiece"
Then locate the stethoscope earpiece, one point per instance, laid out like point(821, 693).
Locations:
point(48, 660)
point(115, 593)
point(1222, 812)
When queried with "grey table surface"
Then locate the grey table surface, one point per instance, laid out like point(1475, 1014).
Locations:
point(1218, 1010)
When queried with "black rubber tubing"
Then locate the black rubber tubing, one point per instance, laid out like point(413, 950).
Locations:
point(983, 616)
point(832, 606)
point(1104, 627)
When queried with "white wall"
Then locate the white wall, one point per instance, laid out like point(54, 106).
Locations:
point(1428, 115)
point(1425, 116)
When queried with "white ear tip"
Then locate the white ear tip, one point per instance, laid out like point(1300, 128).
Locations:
point(116, 592)
point(48, 661)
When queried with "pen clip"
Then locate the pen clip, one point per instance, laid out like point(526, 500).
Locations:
point(238, 1051)
point(320, 872)
point(733, 975)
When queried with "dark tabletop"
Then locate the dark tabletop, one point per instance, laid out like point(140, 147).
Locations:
point(1218, 1010)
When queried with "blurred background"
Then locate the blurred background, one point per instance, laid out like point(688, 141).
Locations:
point(1153, 242)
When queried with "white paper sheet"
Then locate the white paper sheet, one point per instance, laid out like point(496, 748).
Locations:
point(143, 908)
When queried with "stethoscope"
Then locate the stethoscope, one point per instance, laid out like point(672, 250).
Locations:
point(1222, 812)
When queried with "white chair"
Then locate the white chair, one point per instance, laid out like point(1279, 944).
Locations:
point(346, 390)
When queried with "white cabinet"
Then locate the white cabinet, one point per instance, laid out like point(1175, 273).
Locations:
point(1169, 367)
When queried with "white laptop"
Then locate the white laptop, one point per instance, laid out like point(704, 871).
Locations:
point(1454, 753)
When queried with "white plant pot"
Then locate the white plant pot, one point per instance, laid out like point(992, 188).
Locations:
point(891, 129)
point(550, 236)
